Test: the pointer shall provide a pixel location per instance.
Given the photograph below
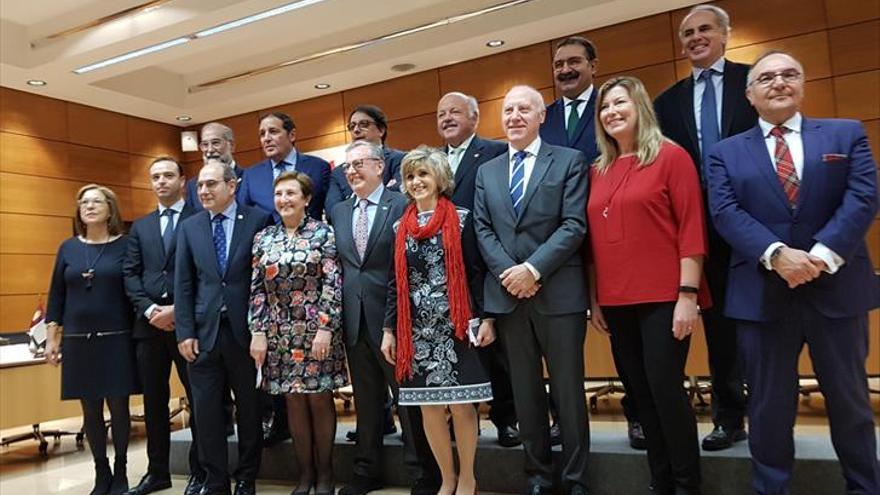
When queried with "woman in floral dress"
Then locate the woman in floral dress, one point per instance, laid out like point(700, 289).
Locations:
point(434, 304)
point(295, 321)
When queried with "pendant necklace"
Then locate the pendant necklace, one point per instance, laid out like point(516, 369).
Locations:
point(614, 192)
point(89, 272)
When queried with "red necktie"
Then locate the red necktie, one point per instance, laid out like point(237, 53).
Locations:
point(785, 166)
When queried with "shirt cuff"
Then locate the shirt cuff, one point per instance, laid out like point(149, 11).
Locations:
point(149, 310)
point(765, 258)
point(535, 272)
point(832, 260)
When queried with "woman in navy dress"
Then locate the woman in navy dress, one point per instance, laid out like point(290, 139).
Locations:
point(87, 299)
point(435, 299)
point(296, 326)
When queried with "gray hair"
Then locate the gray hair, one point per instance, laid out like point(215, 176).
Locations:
point(228, 172)
point(534, 94)
point(374, 149)
point(225, 131)
point(473, 105)
point(435, 162)
point(720, 15)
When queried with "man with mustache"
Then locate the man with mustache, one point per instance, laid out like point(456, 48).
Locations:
point(218, 142)
point(696, 115)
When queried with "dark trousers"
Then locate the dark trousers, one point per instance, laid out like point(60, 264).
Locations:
point(502, 411)
point(228, 364)
point(155, 356)
point(653, 362)
point(838, 349)
point(371, 376)
point(531, 339)
point(728, 396)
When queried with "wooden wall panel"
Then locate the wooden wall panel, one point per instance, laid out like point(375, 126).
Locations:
point(632, 44)
point(857, 95)
point(17, 233)
point(656, 78)
point(811, 50)
point(841, 12)
point(246, 128)
point(317, 116)
point(95, 127)
point(399, 98)
point(242, 158)
point(819, 99)
point(872, 130)
point(25, 273)
point(321, 142)
point(490, 116)
point(149, 138)
point(105, 167)
point(32, 115)
point(413, 132)
point(873, 240)
point(872, 363)
point(16, 312)
point(46, 196)
point(33, 156)
point(139, 171)
point(856, 48)
point(143, 201)
point(528, 65)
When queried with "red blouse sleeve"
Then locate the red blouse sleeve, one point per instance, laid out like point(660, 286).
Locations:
point(687, 201)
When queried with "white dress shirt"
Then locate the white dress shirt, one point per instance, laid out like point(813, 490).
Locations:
point(583, 97)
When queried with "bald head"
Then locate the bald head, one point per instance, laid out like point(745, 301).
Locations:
point(521, 115)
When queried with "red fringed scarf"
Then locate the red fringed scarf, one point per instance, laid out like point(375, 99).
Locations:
point(444, 219)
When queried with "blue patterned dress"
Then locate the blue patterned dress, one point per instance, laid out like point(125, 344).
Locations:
point(296, 290)
point(446, 370)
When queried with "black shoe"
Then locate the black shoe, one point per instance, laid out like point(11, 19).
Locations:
point(577, 490)
point(207, 491)
point(636, 436)
point(303, 491)
point(352, 436)
point(538, 490)
point(508, 436)
point(245, 487)
point(555, 434)
point(426, 486)
point(723, 438)
point(360, 485)
point(194, 485)
point(120, 477)
point(150, 483)
point(103, 478)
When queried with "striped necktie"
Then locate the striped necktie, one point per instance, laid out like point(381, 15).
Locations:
point(518, 180)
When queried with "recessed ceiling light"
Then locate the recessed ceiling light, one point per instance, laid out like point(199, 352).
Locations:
point(184, 118)
point(322, 86)
point(36, 82)
point(494, 43)
point(403, 67)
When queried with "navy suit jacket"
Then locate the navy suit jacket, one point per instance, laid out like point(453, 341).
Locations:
point(339, 190)
point(256, 185)
point(149, 270)
point(837, 202)
point(192, 190)
point(201, 290)
point(478, 152)
point(553, 129)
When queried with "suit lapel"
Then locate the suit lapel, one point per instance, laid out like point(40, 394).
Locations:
point(687, 111)
point(238, 228)
point(379, 221)
point(758, 149)
point(468, 159)
point(345, 232)
point(501, 182)
point(542, 164)
point(810, 135)
point(732, 92)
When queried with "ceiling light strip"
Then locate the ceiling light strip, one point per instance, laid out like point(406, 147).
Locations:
point(355, 46)
point(197, 35)
point(137, 9)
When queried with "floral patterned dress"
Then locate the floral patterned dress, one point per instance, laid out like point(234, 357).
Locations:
point(296, 290)
point(446, 370)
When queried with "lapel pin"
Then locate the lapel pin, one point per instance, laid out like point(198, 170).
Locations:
point(476, 155)
point(241, 217)
point(384, 207)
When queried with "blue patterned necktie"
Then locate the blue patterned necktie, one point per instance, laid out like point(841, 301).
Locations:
point(168, 233)
point(280, 168)
point(709, 134)
point(220, 241)
point(518, 179)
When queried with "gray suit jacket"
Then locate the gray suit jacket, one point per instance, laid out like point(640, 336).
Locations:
point(548, 233)
point(365, 282)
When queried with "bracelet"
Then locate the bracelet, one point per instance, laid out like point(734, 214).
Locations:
point(687, 289)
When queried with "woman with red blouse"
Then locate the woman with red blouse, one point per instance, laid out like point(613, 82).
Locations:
point(648, 241)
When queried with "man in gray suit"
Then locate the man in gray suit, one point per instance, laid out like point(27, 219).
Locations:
point(365, 243)
point(530, 222)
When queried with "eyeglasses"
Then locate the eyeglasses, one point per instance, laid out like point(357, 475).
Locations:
point(214, 143)
point(87, 202)
point(363, 124)
point(767, 78)
point(357, 165)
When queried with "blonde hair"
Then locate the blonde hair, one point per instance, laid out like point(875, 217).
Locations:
point(649, 138)
point(114, 221)
point(432, 160)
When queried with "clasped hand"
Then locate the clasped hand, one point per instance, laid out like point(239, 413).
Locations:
point(797, 267)
point(519, 281)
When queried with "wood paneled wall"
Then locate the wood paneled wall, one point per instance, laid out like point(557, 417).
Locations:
point(49, 149)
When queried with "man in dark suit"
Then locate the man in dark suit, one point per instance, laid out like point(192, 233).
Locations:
point(365, 242)
point(458, 116)
point(278, 136)
point(696, 115)
point(149, 283)
point(795, 197)
point(212, 290)
point(217, 141)
point(366, 123)
point(529, 214)
point(570, 120)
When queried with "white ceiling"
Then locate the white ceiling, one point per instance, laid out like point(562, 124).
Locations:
point(162, 85)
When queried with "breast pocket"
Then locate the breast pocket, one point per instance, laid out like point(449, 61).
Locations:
point(547, 200)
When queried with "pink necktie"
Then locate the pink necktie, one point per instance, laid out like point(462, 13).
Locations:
point(361, 228)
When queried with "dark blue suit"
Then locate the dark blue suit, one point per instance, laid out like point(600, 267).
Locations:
point(339, 190)
point(553, 129)
point(256, 185)
point(213, 307)
point(837, 202)
point(192, 190)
